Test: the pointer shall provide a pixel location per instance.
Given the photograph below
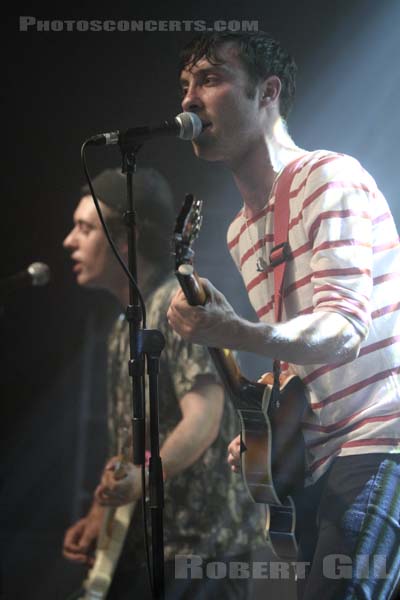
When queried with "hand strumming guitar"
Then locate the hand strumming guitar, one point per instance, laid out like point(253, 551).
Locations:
point(80, 539)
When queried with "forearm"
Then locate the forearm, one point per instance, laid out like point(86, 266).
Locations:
point(96, 510)
point(198, 429)
point(318, 338)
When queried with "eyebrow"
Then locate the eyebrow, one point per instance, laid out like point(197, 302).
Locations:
point(83, 222)
point(201, 71)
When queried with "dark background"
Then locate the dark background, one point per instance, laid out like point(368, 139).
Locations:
point(58, 88)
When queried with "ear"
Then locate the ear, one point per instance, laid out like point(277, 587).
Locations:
point(270, 90)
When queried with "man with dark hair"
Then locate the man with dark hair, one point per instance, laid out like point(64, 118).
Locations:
point(340, 326)
point(260, 55)
point(207, 513)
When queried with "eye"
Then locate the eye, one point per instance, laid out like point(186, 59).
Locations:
point(84, 228)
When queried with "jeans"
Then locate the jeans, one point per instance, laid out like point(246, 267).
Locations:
point(348, 528)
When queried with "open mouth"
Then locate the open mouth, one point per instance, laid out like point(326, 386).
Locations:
point(206, 125)
point(77, 267)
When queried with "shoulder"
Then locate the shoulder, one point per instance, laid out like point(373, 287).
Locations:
point(159, 300)
point(327, 165)
point(235, 228)
point(118, 328)
point(234, 232)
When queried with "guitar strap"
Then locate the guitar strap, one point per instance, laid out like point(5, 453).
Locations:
point(280, 253)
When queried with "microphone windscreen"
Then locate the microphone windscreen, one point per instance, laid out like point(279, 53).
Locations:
point(191, 125)
point(39, 272)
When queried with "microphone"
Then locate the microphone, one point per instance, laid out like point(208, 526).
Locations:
point(36, 274)
point(186, 126)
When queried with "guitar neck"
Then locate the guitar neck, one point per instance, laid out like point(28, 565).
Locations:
point(223, 359)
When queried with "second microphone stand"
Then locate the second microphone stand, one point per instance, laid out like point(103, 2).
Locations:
point(146, 346)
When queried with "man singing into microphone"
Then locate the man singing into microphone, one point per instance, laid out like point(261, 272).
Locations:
point(340, 330)
point(207, 511)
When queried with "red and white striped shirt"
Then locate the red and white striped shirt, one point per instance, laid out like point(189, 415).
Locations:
point(345, 258)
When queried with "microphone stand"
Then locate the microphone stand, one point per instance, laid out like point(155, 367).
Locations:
point(144, 344)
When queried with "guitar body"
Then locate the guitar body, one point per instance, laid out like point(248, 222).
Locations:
point(272, 457)
point(272, 443)
point(273, 460)
point(114, 529)
point(109, 547)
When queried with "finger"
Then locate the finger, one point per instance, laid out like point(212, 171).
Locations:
point(72, 536)
point(233, 460)
point(111, 501)
point(107, 497)
point(112, 463)
point(208, 286)
point(75, 556)
point(234, 446)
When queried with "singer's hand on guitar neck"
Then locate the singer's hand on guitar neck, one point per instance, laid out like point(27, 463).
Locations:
point(215, 324)
point(116, 492)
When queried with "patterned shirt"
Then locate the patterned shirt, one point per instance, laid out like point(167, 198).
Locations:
point(345, 258)
point(207, 509)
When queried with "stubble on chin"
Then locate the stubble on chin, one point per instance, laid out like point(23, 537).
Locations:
point(206, 151)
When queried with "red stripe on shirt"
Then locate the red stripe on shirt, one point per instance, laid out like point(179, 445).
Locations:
point(333, 288)
point(372, 442)
point(365, 350)
point(386, 246)
point(341, 272)
point(355, 444)
point(235, 240)
point(386, 277)
point(386, 310)
point(339, 244)
point(334, 214)
point(316, 165)
point(300, 250)
point(298, 284)
point(335, 426)
point(261, 312)
point(252, 250)
point(340, 394)
point(254, 282)
point(325, 273)
point(383, 217)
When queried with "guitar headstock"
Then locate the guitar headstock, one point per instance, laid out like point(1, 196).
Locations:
point(187, 228)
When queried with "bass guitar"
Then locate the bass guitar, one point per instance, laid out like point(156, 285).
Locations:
point(272, 444)
point(111, 538)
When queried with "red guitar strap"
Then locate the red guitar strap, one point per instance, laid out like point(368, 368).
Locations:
point(280, 253)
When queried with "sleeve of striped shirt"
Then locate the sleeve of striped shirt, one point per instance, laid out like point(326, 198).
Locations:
point(337, 219)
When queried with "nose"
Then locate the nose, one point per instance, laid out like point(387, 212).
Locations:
point(69, 242)
point(191, 101)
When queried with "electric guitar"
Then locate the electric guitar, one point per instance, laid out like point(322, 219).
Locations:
point(272, 444)
point(111, 538)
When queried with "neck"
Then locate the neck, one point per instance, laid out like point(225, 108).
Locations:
point(121, 292)
point(146, 276)
point(255, 170)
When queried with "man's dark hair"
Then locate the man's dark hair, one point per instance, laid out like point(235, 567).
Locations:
point(261, 56)
point(154, 209)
